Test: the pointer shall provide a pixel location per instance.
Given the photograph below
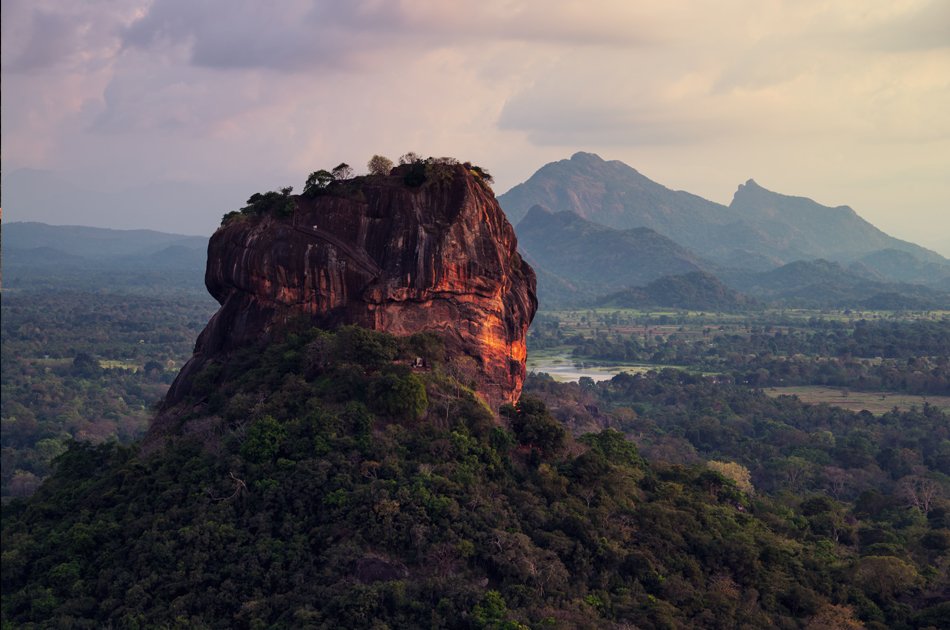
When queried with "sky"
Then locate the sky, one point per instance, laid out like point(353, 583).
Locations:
point(166, 114)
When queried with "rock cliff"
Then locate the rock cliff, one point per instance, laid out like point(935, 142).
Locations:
point(385, 255)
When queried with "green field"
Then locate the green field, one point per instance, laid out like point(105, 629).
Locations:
point(875, 402)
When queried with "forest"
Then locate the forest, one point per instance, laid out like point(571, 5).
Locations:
point(86, 365)
point(904, 354)
point(332, 485)
point(333, 472)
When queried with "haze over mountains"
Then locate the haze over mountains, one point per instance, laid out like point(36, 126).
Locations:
point(173, 206)
point(97, 243)
point(758, 225)
point(594, 226)
point(37, 254)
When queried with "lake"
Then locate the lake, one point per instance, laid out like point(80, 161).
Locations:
point(560, 365)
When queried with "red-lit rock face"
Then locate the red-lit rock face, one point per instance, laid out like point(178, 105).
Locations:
point(440, 258)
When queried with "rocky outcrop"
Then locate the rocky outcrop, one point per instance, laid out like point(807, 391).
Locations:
point(378, 253)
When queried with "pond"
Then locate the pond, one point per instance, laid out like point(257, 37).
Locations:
point(564, 368)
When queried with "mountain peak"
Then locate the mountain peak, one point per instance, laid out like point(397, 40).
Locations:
point(609, 192)
point(583, 156)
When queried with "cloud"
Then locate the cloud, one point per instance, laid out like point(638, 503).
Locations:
point(53, 39)
point(42, 35)
point(925, 28)
point(235, 34)
point(563, 123)
point(298, 35)
point(251, 95)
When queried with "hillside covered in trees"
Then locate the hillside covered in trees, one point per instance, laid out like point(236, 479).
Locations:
point(345, 488)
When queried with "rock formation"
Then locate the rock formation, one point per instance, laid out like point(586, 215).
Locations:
point(385, 255)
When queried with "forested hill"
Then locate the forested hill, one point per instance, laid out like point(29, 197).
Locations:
point(594, 259)
point(692, 291)
point(323, 482)
point(579, 262)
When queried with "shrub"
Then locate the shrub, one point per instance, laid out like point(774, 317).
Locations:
point(271, 202)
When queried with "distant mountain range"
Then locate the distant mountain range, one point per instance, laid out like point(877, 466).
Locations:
point(41, 195)
point(54, 256)
point(591, 226)
point(591, 229)
point(97, 243)
point(820, 283)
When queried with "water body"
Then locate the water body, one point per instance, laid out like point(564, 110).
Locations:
point(561, 368)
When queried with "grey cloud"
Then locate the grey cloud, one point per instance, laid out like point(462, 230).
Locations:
point(41, 37)
point(925, 29)
point(222, 34)
point(301, 34)
point(52, 40)
point(226, 34)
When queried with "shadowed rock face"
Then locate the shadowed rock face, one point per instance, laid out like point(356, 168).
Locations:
point(440, 258)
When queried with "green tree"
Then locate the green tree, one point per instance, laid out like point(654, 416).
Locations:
point(885, 576)
point(533, 425)
point(263, 439)
point(317, 182)
point(736, 472)
point(379, 165)
point(342, 171)
point(399, 395)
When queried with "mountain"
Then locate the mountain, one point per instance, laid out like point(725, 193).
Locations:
point(308, 472)
point(330, 486)
point(821, 283)
point(582, 263)
point(903, 266)
point(95, 243)
point(758, 231)
point(811, 230)
point(617, 196)
point(168, 205)
point(56, 257)
point(578, 259)
point(698, 291)
point(425, 249)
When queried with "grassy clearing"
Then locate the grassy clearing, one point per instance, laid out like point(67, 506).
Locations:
point(50, 363)
point(875, 402)
point(106, 364)
point(111, 364)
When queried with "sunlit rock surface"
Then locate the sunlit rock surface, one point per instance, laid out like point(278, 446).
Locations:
point(441, 257)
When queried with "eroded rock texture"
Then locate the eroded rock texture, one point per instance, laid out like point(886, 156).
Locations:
point(441, 257)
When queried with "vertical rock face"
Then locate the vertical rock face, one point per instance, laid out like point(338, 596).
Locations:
point(440, 257)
